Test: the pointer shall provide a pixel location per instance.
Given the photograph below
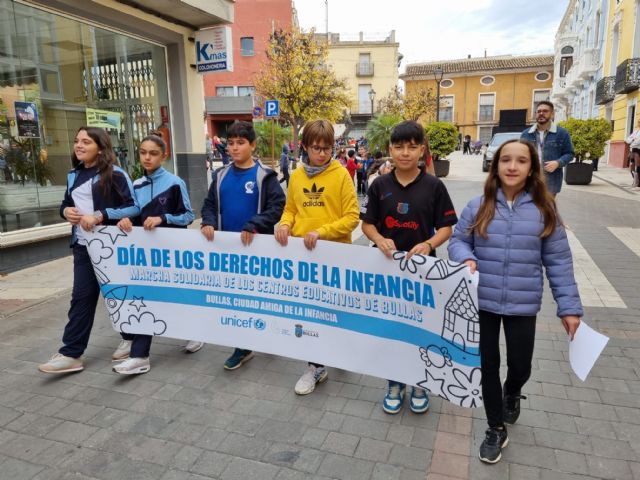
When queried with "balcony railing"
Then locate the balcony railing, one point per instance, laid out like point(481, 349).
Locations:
point(590, 62)
point(628, 76)
point(559, 87)
point(364, 69)
point(605, 90)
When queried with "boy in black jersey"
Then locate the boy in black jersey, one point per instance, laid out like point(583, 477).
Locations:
point(401, 212)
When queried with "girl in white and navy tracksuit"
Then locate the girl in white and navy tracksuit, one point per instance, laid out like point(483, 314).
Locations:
point(104, 193)
point(159, 194)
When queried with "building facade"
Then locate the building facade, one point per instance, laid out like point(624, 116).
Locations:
point(369, 63)
point(617, 91)
point(127, 66)
point(481, 95)
point(231, 95)
point(578, 66)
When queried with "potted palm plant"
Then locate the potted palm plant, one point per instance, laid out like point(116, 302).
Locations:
point(379, 130)
point(588, 138)
point(443, 139)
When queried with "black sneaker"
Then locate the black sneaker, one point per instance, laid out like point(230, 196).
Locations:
point(494, 441)
point(511, 408)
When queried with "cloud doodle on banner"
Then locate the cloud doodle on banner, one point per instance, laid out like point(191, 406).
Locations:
point(144, 323)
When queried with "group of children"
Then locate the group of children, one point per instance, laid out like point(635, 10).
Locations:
point(508, 235)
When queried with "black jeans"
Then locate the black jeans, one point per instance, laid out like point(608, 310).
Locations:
point(519, 332)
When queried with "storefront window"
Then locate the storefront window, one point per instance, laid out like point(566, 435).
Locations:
point(56, 75)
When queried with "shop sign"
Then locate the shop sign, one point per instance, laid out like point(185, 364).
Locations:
point(106, 119)
point(27, 119)
point(214, 52)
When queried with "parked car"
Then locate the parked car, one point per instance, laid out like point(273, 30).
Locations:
point(497, 140)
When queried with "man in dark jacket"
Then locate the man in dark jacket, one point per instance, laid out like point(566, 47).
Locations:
point(553, 144)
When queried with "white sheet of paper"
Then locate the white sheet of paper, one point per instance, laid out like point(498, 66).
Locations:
point(584, 350)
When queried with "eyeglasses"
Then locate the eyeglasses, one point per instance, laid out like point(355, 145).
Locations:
point(319, 149)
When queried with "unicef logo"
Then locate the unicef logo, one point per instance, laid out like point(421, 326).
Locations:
point(260, 324)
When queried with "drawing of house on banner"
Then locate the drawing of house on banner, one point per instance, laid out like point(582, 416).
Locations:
point(461, 324)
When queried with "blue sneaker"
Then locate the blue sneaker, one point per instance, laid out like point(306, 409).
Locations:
point(237, 359)
point(394, 399)
point(419, 400)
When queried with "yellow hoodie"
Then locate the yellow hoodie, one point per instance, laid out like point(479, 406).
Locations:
point(326, 203)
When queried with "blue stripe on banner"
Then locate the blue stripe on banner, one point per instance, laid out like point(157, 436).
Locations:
point(354, 322)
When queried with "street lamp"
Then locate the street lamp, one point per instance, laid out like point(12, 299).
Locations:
point(372, 96)
point(438, 73)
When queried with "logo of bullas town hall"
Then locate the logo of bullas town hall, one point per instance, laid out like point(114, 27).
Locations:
point(300, 331)
point(314, 195)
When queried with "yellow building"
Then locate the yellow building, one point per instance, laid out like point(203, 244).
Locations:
point(480, 95)
point(617, 92)
point(369, 64)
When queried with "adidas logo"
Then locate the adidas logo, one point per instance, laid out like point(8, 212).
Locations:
point(314, 196)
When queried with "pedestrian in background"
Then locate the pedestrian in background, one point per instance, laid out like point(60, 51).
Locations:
point(553, 145)
point(98, 193)
point(164, 202)
point(634, 155)
point(352, 166)
point(466, 145)
point(508, 235)
point(331, 215)
point(284, 164)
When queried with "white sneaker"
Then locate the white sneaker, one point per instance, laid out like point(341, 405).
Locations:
point(123, 350)
point(133, 366)
point(61, 364)
point(193, 346)
point(309, 379)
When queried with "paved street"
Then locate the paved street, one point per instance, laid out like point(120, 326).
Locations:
point(189, 419)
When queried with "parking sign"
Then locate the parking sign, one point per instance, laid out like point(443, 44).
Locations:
point(272, 108)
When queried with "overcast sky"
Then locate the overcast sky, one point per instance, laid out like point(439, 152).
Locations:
point(430, 30)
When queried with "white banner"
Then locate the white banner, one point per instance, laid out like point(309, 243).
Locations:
point(410, 320)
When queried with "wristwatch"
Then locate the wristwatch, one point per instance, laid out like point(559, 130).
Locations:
point(98, 215)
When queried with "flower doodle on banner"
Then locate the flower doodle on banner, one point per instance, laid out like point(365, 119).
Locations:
point(435, 357)
point(144, 324)
point(114, 299)
point(98, 251)
point(468, 389)
point(409, 264)
point(444, 269)
point(112, 233)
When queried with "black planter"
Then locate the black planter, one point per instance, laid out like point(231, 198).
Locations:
point(578, 173)
point(441, 167)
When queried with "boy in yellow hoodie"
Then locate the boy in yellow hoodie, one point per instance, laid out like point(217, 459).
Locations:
point(321, 204)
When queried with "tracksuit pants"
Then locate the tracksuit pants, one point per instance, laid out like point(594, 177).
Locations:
point(84, 298)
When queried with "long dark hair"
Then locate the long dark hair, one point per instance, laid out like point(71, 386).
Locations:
point(105, 160)
point(535, 185)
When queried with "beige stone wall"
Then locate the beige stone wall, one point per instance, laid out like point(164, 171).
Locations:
point(384, 56)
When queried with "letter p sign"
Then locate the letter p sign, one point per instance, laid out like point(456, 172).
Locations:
point(271, 108)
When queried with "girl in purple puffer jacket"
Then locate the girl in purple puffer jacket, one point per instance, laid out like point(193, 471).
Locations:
point(508, 235)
